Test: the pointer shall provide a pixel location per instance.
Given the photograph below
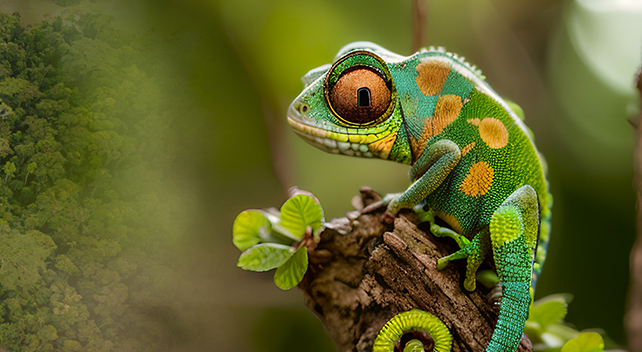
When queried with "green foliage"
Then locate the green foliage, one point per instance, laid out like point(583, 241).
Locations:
point(548, 332)
point(299, 212)
point(585, 342)
point(271, 239)
point(549, 310)
point(264, 257)
point(248, 229)
point(81, 225)
point(292, 271)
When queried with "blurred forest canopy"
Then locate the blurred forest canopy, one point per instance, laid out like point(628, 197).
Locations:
point(84, 253)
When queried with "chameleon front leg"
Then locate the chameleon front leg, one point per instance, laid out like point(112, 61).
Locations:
point(429, 171)
point(513, 235)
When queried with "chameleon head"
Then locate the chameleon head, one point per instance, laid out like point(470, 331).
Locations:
point(350, 107)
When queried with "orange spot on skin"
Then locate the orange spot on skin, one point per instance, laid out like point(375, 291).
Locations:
point(432, 76)
point(446, 111)
point(473, 121)
point(493, 133)
point(478, 181)
point(467, 148)
point(418, 145)
point(384, 146)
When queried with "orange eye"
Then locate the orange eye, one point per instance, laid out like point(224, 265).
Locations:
point(360, 96)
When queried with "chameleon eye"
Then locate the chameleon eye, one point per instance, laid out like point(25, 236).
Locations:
point(360, 95)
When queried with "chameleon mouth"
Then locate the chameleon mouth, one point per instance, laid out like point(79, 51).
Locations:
point(316, 137)
point(329, 141)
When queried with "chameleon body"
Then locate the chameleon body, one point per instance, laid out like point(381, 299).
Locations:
point(473, 160)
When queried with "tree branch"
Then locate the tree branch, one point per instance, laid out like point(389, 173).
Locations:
point(418, 24)
point(363, 273)
point(634, 314)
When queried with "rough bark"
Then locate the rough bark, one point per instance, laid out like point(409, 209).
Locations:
point(363, 272)
point(634, 314)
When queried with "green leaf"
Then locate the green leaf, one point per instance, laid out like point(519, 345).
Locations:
point(299, 212)
point(291, 273)
point(248, 228)
point(549, 312)
point(586, 342)
point(264, 256)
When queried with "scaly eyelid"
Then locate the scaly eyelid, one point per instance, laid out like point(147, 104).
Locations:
point(314, 74)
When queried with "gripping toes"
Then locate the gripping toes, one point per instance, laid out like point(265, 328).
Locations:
point(474, 251)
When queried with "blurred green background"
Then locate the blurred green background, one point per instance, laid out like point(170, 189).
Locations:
point(226, 70)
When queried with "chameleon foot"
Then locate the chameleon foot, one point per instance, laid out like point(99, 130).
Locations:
point(474, 251)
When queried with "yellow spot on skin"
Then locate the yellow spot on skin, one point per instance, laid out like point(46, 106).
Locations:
point(370, 138)
point(474, 121)
point(432, 76)
point(452, 221)
point(505, 226)
point(466, 149)
point(354, 138)
point(337, 136)
point(478, 181)
point(493, 133)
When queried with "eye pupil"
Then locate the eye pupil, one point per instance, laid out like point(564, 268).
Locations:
point(304, 108)
point(363, 97)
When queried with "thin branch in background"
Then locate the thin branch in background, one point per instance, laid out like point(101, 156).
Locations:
point(634, 314)
point(418, 24)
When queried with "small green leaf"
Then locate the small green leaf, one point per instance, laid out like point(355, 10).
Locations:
point(299, 212)
point(249, 226)
point(548, 312)
point(586, 342)
point(264, 256)
point(291, 273)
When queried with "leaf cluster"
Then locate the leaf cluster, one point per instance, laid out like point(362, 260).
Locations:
point(272, 239)
point(548, 332)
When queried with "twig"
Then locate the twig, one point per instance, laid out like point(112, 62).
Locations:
point(634, 314)
point(418, 24)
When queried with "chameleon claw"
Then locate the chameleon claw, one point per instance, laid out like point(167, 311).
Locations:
point(393, 207)
point(470, 283)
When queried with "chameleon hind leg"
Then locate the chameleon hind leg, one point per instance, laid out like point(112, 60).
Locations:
point(513, 235)
point(474, 251)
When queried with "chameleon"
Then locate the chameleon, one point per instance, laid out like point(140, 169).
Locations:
point(422, 328)
point(473, 161)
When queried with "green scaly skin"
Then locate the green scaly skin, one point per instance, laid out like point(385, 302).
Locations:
point(418, 321)
point(473, 161)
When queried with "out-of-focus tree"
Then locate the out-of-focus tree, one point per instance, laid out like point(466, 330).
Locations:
point(81, 228)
